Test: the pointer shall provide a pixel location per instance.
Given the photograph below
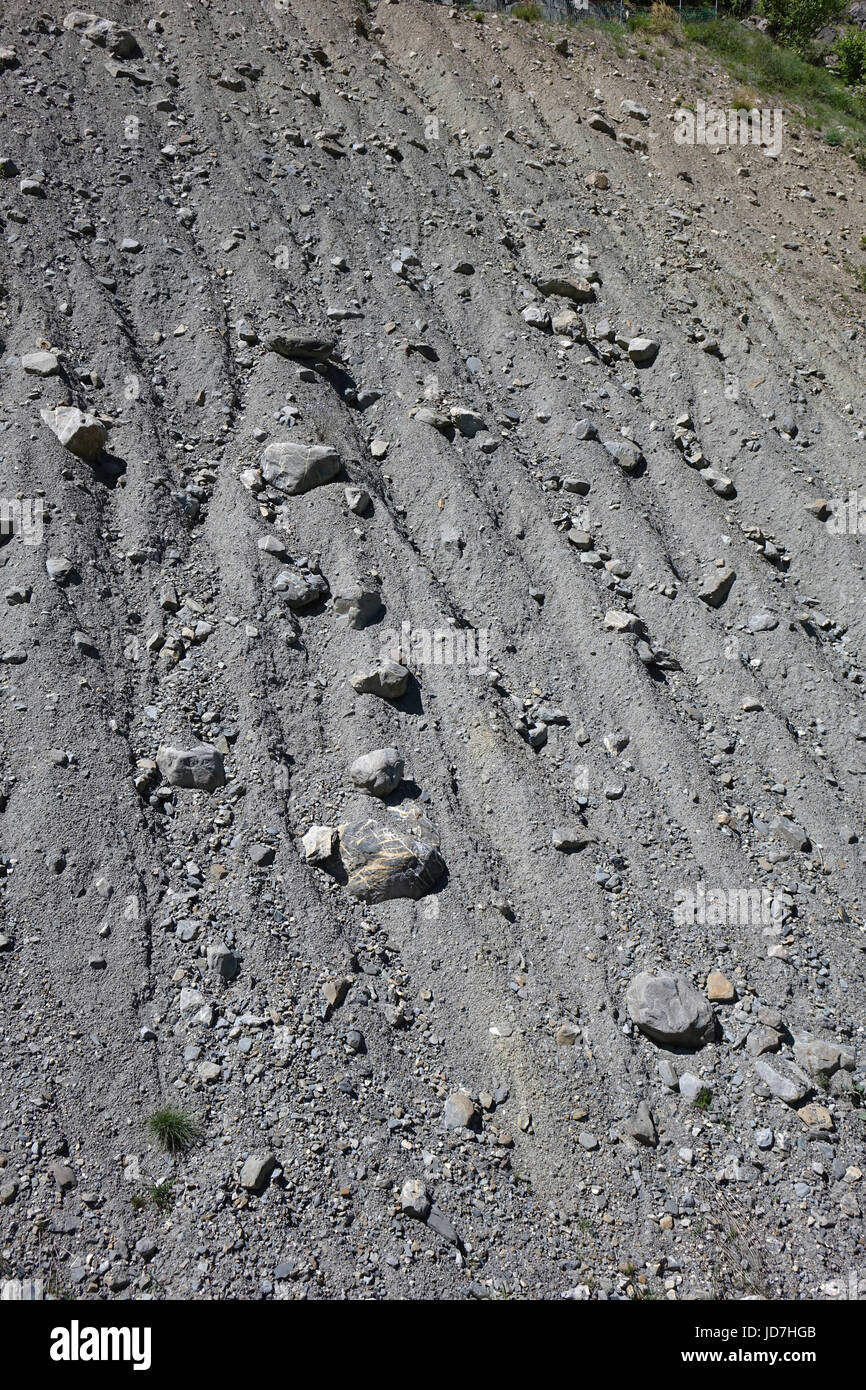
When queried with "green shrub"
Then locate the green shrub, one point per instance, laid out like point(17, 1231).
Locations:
point(851, 51)
point(530, 13)
point(796, 22)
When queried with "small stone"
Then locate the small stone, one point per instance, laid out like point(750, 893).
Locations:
point(256, 1171)
point(719, 988)
point(415, 1199)
point(459, 1112)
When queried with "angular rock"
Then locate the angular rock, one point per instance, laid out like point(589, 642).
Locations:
point(41, 363)
point(668, 1009)
point(578, 290)
point(395, 859)
point(81, 434)
point(387, 679)
point(301, 347)
point(821, 1058)
point(716, 587)
point(256, 1171)
point(301, 588)
point(415, 1199)
point(200, 768)
point(643, 350)
point(297, 468)
point(641, 1126)
point(319, 843)
point(625, 453)
point(357, 607)
point(784, 1079)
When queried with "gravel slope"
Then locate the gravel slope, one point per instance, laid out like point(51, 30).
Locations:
point(401, 180)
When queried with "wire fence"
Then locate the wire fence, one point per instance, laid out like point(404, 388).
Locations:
point(615, 11)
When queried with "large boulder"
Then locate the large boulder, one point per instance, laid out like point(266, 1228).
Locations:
point(296, 468)
point(395, 859)
point(81, 434)
point(198, 769)
point(104, 33)
point(669, 1010)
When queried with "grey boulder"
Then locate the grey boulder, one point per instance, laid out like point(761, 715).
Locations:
point(379, 773)
point(197, 769)
point(668, 1009)
point(296, 468)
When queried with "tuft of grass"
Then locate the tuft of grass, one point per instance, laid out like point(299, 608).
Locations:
point(156, 1194)
point(662, 21)
point(704, 1099)
point(834, 137)
point(530, 14)
point(175, 1130)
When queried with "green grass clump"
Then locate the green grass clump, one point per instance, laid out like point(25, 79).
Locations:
point(175, 1130)
point(531, 14)
point(704, 1099)
point(156, 1194)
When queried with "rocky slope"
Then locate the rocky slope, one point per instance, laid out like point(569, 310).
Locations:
point(567, 404)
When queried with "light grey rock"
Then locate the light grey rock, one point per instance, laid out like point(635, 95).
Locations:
point(415, 1199)
point(379, 773)
point(716, 587)
point(83, 435)
point(319, 843)
point(357, 606)
point(643, 350)
point(460, 1111)
point(300, 588)
point(256, 1172)
point(641, 1126)
point(668, 1009)
point(298, 468)
point(41, 363)
point(387, 678)
point(820, 1057)
point(784, 1079)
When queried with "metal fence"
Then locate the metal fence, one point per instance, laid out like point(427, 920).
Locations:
point(616, 11)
